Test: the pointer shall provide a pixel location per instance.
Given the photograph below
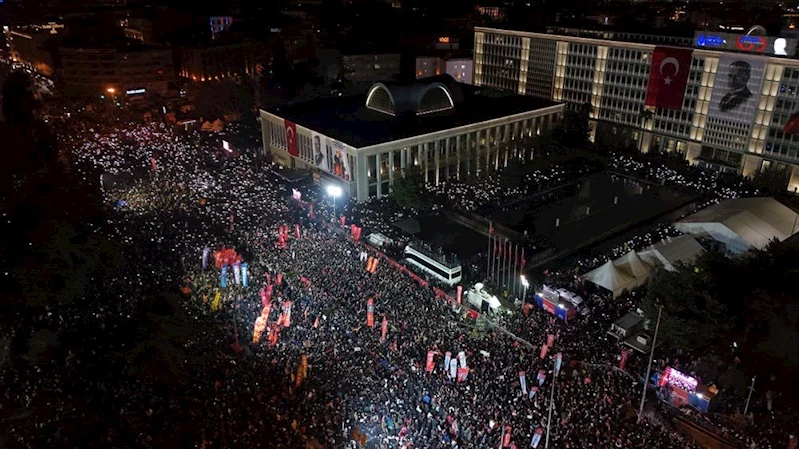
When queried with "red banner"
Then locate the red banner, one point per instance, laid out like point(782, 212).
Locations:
point(431, 355)
point(370, 312)
point(544, 349)
point(459, 295)
point(463, 373)
point(291, 138)
point(623, 359)
point(344, 221)
point(383, 329)
point(297, 231)
point(792, 442)
point(279, 279)
point(550, 339)
point(668, 77)
point(506, 439)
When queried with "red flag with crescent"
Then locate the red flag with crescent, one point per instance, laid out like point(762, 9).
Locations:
point(668, 77)
point(291, 138)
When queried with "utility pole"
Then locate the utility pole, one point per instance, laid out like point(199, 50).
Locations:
point(551, 402)
point(649, 366)
point(749, 398)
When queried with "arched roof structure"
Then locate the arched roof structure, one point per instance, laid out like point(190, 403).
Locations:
point(410, 99)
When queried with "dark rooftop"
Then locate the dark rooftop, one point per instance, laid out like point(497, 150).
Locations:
point(348, 120)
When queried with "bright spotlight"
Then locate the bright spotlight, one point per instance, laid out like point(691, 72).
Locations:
point(334, 191)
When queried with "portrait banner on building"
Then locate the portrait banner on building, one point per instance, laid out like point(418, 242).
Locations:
point(319, 152)
point(340, 165)
point(737, 87)
point(668, 77)
point(291, 138)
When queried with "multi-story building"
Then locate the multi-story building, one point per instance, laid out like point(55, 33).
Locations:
point(734, 92)
point(363, 143)
point(35, 46)
point(371, 68)
point(220, 61)
point(131, 68)
point(459, 68)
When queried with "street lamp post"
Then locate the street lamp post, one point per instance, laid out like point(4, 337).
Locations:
point(525, 284)
point(113, 91)
point(335, 192)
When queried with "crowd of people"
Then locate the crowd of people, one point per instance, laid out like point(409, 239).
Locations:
point(369, 379)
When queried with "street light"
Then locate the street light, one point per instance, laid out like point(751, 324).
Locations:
point(525, 284)
point(335, 192)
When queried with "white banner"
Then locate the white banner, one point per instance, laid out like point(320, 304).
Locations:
point(523, 382)
point(447, 358)
point(453, 368)
point(462, 359)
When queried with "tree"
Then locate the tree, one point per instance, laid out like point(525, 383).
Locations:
point(692, 317)
point(408, 191)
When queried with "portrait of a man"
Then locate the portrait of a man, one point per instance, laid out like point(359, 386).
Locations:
point(319, 158)
point(739, 74)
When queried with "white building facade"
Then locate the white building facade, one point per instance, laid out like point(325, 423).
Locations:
point(611, 72)
point(369, 170)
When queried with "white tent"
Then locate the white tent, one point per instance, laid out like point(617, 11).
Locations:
point(742, 223)
point(670, 251)
point(610, 277)
point(634, 266)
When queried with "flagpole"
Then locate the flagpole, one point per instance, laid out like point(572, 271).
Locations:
point(649, 366)
point(551, 401)
point(488, 267)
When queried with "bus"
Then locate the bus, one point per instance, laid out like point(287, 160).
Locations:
point(446, 271)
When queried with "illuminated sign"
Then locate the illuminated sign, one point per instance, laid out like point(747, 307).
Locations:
point(443, 40)
point(746, 43)
point(710, 40)
point(135, 91)
point(752, 44)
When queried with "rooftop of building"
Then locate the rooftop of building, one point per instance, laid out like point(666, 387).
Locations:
point(121, 45)
point(349, 120)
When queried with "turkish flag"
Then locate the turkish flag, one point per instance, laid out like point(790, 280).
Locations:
point(668, 77)
point(291, 138)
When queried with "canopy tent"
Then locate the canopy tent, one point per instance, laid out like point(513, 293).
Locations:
point(632, 264)
point(742, 223)
point(610, 277)
point(673, 250)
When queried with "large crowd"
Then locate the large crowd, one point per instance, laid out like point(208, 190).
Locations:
point(175, 200)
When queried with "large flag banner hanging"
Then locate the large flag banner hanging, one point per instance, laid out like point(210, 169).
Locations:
point(245, 274)
point(206, 255)
point(223, 277)
point(463, 373)
point(447, 358)
point(533, 391)
point(506, 438)
point(453, 368)
point(383, 329)
point(431, 355)
point(291, 138)
point(668, 77)
point(537, 437)
point(558, 362)
point(462, 359)
point(237, 272)
point(623, 359)
point(523, 382)
point(459, 295)
point(370, 312)
point(286, 313)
